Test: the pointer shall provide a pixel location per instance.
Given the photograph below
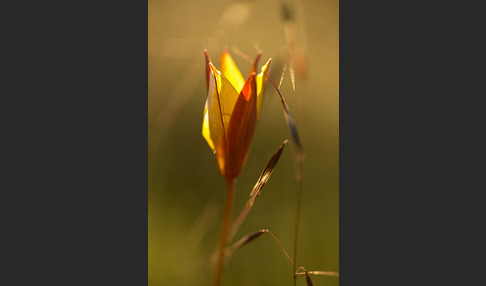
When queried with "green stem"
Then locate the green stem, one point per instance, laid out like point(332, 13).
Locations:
point(296, 228)
point(299, 178)
point(223, 240)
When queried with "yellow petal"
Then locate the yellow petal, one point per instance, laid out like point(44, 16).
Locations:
point(220, 103)
point(205, 128)
point(226, 96)
point(231, 71)
point(261, 80)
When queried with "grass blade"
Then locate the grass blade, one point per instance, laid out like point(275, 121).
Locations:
point(323, 273)
point(265, 175)
point(299, 161)
point(246, 239)
point(308, 280)
point(307, 277)
point(250, 237)
point(289, 119)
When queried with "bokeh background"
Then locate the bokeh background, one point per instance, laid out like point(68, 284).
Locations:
point(186, 192)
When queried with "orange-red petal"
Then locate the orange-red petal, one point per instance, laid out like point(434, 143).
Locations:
point(242, 126)
point(254, 66)
point(208, 69)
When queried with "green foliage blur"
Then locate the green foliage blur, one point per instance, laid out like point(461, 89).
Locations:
point(186, 192)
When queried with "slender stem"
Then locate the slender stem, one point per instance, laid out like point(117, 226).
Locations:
point(296, 229)
point(299, 178)
point(223, 240)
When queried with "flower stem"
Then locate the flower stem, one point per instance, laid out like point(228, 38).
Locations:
point(223, 240)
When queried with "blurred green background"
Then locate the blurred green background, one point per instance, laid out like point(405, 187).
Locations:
point(186, 192)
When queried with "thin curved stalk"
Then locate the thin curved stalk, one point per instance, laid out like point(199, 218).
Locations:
point(223, 240)
point(297, 221)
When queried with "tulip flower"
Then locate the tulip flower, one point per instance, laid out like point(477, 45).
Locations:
point(232, 109)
